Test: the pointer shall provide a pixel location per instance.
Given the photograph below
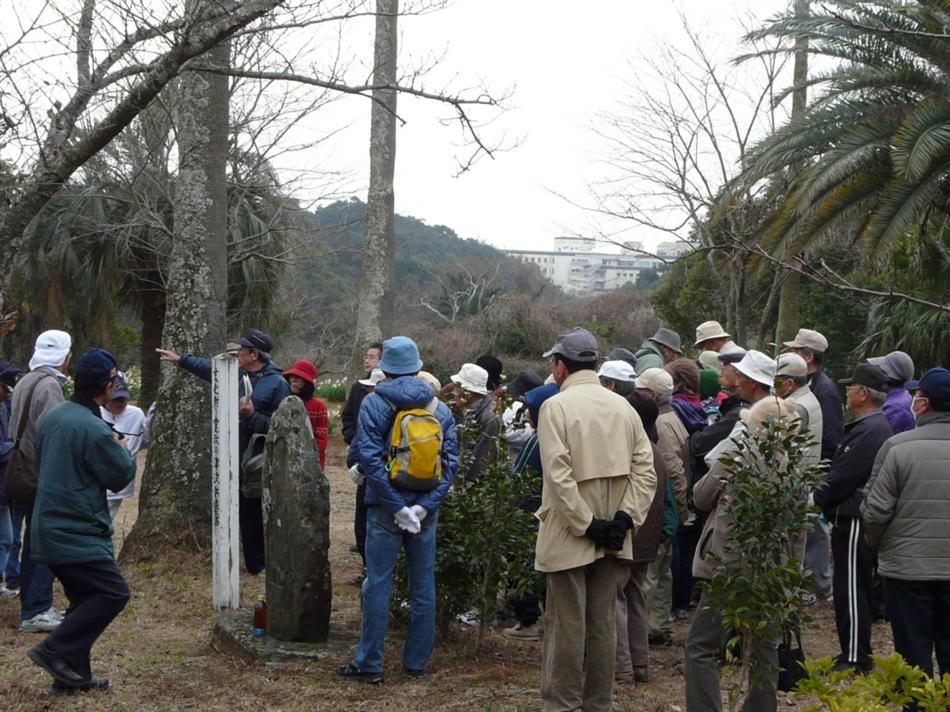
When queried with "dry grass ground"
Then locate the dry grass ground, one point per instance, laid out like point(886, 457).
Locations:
point(158, 657)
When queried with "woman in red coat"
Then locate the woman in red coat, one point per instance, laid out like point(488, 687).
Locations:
point(302, 377)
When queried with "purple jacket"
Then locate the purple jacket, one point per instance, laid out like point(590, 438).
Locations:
point(897, 410)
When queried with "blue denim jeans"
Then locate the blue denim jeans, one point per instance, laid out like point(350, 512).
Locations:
point(36, 579)
point(383, 540)
point(11, 573)
point(6, 537)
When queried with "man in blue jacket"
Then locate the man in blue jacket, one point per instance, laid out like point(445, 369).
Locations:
point(8, 378)
point(78, 458)
point(397, 517)
point(268, 389)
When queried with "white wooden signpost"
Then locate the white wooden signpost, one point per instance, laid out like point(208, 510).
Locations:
point(225, 463)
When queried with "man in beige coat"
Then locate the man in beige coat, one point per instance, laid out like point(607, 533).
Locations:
point(598, 485)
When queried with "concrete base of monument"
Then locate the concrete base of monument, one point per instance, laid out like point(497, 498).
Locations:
point(232, 635)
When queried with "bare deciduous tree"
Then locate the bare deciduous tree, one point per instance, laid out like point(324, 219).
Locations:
point(681, 136)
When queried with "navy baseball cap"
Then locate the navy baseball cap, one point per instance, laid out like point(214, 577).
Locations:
point(935, 384)
point(257, 340)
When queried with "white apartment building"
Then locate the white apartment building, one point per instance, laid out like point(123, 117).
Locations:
point(577, 267)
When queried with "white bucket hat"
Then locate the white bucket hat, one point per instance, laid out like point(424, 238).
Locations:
point(472, 378)
point(759, 367)
point(709, 330)
point(616, 370)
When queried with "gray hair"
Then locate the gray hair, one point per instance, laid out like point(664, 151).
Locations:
point(877, 397)
point(663, 400)
point(800, 380)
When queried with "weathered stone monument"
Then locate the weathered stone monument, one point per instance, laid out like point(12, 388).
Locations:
point(296, 499)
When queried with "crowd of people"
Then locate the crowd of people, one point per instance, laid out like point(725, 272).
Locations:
point(631, 519)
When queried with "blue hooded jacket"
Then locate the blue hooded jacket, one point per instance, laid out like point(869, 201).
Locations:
point(372, 443)
point(268, 389)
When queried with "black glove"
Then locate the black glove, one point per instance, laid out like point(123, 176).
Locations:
point(621, 524)
point(624, 520)
point(599, 530)
point(607, 533)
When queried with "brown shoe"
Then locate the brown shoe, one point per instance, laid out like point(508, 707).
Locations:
point(535, 632)
point(640, 674)
point(624, 678)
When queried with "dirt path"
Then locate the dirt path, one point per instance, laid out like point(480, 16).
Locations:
point(158, 658)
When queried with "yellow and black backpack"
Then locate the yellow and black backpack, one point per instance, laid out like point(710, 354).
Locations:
point(415, 448)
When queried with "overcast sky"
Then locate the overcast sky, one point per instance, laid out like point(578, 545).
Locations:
point(566, 62)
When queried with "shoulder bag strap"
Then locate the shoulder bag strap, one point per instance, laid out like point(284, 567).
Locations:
point(26, 411)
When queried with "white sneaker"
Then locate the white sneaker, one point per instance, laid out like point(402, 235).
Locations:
point(40, 623)
point(56, 613)
point(7, 593)
point(468, 618)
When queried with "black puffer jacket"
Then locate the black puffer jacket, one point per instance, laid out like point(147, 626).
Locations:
point(700, 443)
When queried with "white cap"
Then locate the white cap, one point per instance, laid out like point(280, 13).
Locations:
point(656, 380)
point(617, 370)
point(792, 366)
point(472, 378)
point(808, 339)
point(51, 349)
point(375, 376)
point(709, 330)
point(759, 367)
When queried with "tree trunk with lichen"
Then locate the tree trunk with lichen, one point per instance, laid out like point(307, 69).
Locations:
point(375, 310)
point(175, 499)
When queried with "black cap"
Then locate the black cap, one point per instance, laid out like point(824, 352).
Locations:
point(257, 340)
point(9, 374)
point(734, 356)
point(524, 382)
point(868, 375)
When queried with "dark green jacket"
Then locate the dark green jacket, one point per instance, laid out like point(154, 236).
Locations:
point(77, 460)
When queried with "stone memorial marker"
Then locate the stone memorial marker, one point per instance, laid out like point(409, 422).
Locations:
point(296, 501)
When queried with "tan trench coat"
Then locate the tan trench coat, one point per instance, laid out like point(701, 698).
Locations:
point(597, 460)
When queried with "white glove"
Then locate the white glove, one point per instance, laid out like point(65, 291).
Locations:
point(419, 511)
point(408, 521)
point(356, 474)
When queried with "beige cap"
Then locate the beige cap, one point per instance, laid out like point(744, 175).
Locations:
point(709, 330)
point(710, 359)
point(656, 380)
point(808, 339)
point(430, 380)
point(792, 366)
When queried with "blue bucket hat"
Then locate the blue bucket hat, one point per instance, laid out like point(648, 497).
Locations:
point(400, 356)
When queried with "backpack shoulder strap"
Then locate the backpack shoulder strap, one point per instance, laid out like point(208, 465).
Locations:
point(21, 428)
point(433, 405)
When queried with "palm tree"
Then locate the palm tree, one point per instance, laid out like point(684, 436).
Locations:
point(874, 147)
